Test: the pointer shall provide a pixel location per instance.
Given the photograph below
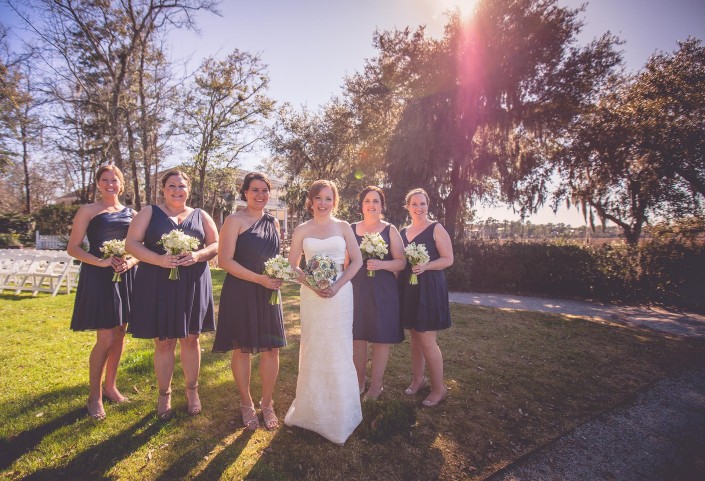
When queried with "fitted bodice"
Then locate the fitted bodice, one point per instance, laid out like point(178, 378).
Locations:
point(333, 247)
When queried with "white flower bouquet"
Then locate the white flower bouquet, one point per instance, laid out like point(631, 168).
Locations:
point(176, 242)
point(373, 245)
point(114, 247)
point(416, 255)
point(320, 271)
point(278, 268)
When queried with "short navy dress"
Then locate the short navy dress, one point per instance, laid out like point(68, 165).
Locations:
point(246, 319)
point(424, 306)
point(376, 302)
point(100, 302)
point(172, 309)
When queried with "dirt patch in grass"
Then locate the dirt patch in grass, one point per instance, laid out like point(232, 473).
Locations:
point(517, 381)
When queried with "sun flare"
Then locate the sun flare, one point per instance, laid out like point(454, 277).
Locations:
point(466, 7)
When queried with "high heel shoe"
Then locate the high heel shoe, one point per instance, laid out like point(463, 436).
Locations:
point(368, 397)
point(429, 404)
point(193, 406)
point(410, 391)
point(164, 405)
point(97, 414)
point(270, 418)
point(249, 417)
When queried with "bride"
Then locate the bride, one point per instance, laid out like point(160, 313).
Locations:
point(327, 396)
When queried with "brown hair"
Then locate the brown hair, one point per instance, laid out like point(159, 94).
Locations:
point(248, 180)
point(174, 172)
point(316, 188)
point(418, 190)
point(367, 190)
point(116, 171)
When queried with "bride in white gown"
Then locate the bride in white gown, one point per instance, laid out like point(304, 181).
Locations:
point(327, 396)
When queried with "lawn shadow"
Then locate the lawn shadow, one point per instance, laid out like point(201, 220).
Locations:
point(95, 462)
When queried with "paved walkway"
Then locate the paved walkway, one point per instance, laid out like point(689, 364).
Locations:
point(658, 319)
point(658, 436)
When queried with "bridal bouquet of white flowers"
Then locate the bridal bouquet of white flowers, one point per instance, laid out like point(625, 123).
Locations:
point(278, 268)
point(176, 242)
point(114, 247)
point(320, 271)
point(416, 255)
point(373, 245)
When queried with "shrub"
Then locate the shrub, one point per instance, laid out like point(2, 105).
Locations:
point(8, 241)
point(55, 219)
point(18, 224)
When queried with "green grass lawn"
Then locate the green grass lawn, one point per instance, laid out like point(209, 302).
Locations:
point(517, 381)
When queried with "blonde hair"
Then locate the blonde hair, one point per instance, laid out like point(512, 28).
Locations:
point(418, 190)
point(114, 170)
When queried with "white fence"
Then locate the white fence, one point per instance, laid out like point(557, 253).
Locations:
point(37, 271)
point(53, 242)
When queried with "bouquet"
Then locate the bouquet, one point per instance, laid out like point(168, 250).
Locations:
point(373, 245)
point(279, 268)
point(114, 247)
point(416, 255)
point(320, 271)
point(176, 242)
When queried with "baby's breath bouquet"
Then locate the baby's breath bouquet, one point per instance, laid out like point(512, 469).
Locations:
point(278, 268)
point(176, 242)
point(114, 247)
point(373, 245)
point(320, 271)
point(416, 255)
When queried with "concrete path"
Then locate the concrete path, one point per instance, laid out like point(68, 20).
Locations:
point(656, 318)
point(658, 436)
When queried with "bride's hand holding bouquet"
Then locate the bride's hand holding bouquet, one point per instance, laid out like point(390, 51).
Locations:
point(320, 275)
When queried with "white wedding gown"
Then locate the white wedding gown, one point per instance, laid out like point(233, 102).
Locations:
point(327, 397)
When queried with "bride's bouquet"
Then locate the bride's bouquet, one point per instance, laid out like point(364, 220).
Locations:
point(373, 245)
point(114, 247)
point(416, 255)
point(320, 271)
point(278, 268)
point(176, 242)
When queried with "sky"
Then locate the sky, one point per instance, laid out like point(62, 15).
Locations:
point(310, 45)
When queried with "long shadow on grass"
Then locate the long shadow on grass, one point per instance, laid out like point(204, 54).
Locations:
point(95, 462)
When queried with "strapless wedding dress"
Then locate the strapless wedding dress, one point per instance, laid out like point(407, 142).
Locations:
point(327, 397)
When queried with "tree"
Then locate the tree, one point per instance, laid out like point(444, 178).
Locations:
point(484, 103)
point(223, 112)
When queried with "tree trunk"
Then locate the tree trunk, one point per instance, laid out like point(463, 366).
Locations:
point(25, 166)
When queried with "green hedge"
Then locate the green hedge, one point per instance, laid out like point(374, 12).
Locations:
point(658, 271)
point(20, 225)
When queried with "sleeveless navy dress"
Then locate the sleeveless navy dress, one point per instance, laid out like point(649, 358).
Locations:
point(425, 306)
point(172, 309)
point(376, 302)
point(246, 319)
point(100, 302)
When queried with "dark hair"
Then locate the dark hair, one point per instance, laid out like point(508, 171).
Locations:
point(418, 190)
point(116, 171)
point(248, 180)
point(174, 172)
point(367, 190)
point(316, 188)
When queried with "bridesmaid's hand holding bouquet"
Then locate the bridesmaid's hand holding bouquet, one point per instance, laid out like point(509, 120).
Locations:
point(373, 245)
point(278, 268)
point(114, 248)
point(176, 242)
point(416, 255)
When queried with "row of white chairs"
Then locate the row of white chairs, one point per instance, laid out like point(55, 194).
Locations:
point(37, 271)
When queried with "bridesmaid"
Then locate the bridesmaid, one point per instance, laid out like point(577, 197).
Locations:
point(166, 310)
point(424, 307)
point(101, 304)
point(247, 322)
point(376, 299)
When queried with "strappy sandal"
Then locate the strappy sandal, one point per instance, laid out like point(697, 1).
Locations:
point(270, 418)
point(164, 405)
point(249, 417)
point(193, 406)
point(97, 414)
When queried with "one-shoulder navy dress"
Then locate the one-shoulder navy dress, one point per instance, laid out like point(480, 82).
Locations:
point(246, 319)
point(172, 309)
point(376, 302)
point(100, 302)
point(424, 306)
